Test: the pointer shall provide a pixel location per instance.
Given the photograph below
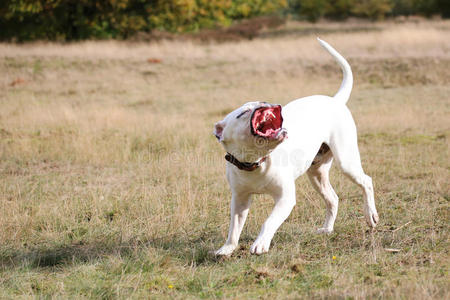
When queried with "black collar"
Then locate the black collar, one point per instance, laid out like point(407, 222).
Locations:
point(247, 166)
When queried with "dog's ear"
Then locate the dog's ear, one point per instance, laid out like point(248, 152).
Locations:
point(218, 130)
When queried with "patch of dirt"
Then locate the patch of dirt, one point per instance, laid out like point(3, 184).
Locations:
point(17, 81)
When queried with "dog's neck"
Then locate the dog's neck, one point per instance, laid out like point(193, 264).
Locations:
point(246, 166)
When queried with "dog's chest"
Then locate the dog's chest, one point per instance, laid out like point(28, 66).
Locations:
point(265, 180)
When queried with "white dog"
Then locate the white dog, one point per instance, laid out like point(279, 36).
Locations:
point(262, 159)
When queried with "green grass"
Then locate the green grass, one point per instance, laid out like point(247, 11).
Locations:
point(112, 185)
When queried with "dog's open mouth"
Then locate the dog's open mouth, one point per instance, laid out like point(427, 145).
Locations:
point(267, 121)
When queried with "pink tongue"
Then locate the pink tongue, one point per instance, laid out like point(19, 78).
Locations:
point(268, 130)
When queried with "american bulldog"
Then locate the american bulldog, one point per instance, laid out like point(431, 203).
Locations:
point(268, 146)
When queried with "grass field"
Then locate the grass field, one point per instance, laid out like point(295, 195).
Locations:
point(113, 186)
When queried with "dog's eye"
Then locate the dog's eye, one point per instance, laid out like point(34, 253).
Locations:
point(242, 113)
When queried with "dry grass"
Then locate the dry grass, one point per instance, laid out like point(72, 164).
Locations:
point(113, 186)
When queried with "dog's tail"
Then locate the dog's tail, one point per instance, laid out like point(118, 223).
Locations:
point(347, 83)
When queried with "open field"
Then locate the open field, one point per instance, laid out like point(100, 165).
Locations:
point(112, 185)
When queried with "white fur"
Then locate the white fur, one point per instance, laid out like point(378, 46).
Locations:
point(309, 122)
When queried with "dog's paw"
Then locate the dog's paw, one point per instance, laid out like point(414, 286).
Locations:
point(260, 246)
point(225, 250)
point(371, 216)
point(324, 230)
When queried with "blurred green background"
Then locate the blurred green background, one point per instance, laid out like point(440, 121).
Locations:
point(65, 20)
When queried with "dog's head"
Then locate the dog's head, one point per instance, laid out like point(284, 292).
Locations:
point(251, 131)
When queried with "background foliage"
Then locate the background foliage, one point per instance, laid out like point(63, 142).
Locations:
point(372, 9)
point(82, 19)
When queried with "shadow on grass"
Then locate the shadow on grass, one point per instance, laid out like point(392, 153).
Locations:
point(192, 250)
point(50, 256)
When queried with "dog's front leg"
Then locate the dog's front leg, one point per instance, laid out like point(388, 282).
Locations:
point(240, 204)
point(284, 203)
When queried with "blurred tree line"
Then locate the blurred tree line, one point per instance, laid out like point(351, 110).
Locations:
point(83, 19)
point(372, 9)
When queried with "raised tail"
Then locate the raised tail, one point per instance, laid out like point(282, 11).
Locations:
point(347, 83)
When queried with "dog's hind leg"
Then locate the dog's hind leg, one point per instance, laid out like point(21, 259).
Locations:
point(346, 153)
point(318, 174)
